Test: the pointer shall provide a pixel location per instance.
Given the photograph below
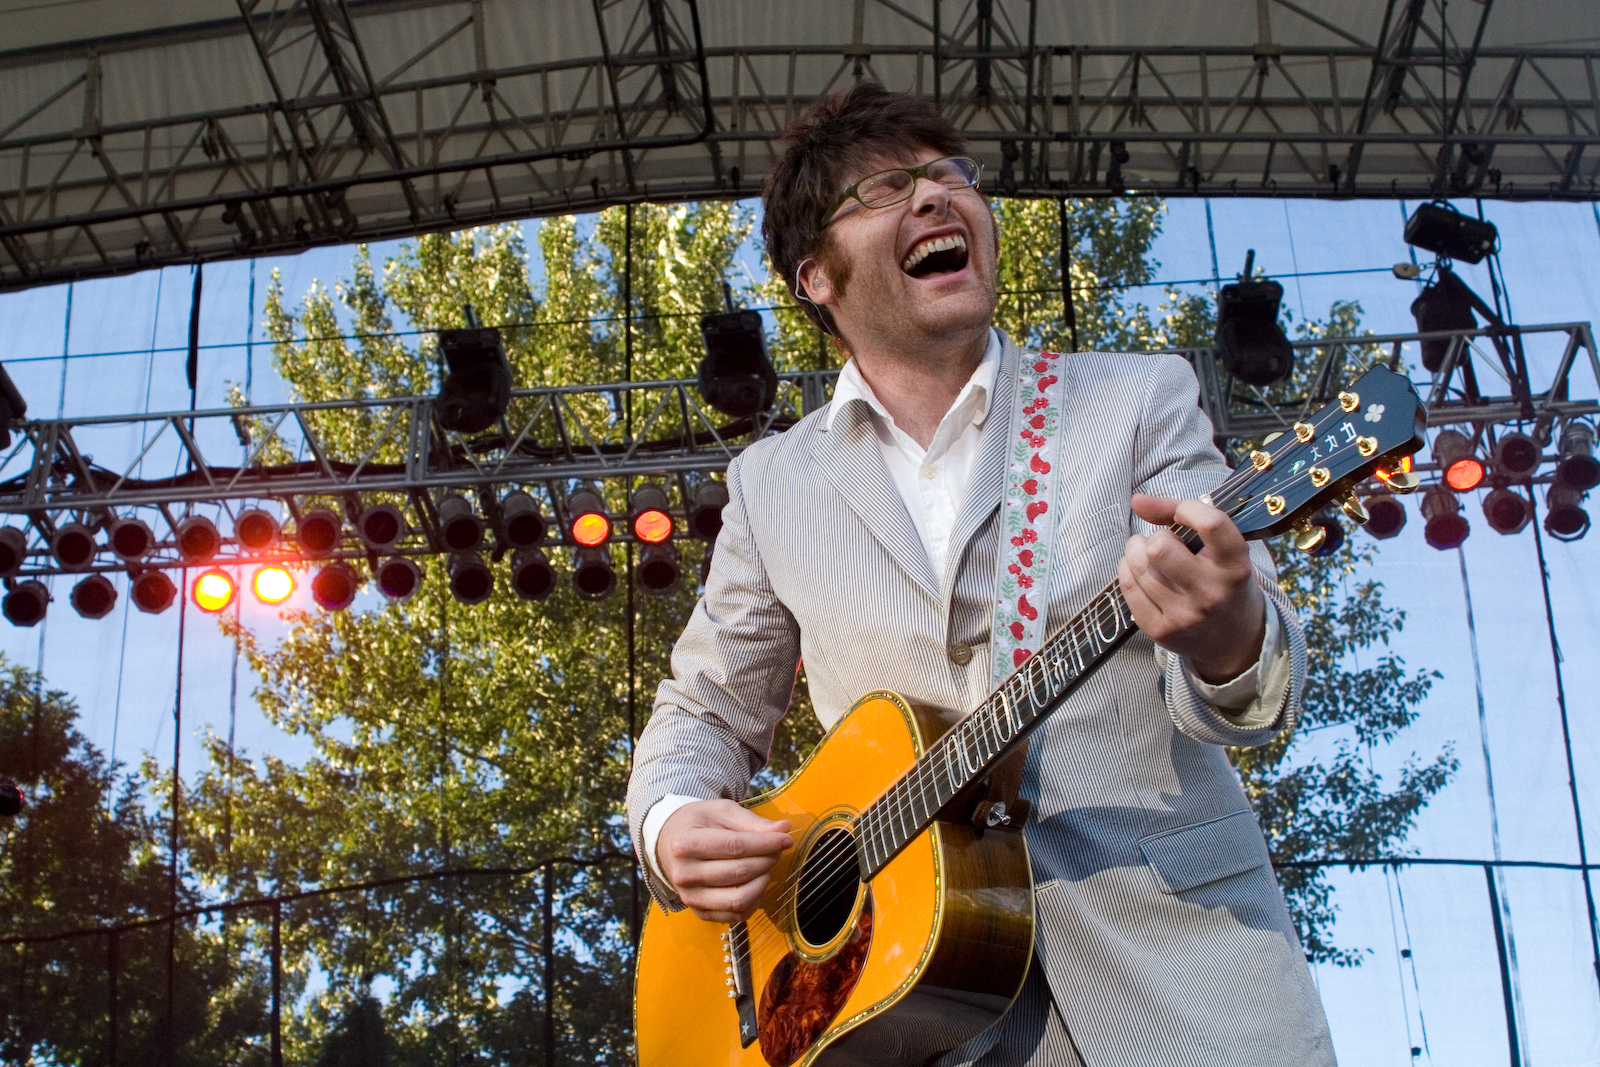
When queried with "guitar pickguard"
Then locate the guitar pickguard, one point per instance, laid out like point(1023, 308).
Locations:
point(802, 998)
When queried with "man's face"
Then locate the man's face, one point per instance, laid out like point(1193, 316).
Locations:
point(919, 269)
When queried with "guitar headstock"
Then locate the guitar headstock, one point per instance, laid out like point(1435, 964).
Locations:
point(1375, 422)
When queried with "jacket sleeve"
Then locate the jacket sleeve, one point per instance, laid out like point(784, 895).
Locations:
point(1175, 457)
point(733, 674)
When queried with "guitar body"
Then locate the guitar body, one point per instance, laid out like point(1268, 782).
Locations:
point(897, 970)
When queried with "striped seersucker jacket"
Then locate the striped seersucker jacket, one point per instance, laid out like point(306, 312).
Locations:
point(1161, 928)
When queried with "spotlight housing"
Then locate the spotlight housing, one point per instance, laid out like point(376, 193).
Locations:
point(213, 591)
point(73, 546)
point(26, 604)
point(131, 540)
point(586, 511)
point(658, 570)
point(705, 510)
point(1386, 516)
point(1444, 231)
point(272, 584)
point(521, 524)
point(256, 529)
point(1506, 510)
point(651, 522)
point(1250, 343)
point(94, 597)
point(1453, 451)
point(13, 550)
point(532, 576)
point(1515, 457)
point(399, 577)
point(1565, 520)
point(318, 533)
point(198, 539)
point(1441, 306)
point(153, 592)
point(381, 527)
point(1578, 469)
point(1332, 533)
point(736, 377)
point(11, 800)
point(592, 575)
point(460, 528)
point(477, 382)
point(334, 587)
point(471, 580)
point(1446, 526)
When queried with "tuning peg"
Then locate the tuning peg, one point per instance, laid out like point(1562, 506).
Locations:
point(1308, 536)
point(1353, 509)
point(1400, 481)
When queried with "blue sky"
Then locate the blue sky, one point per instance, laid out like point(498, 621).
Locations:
point(121, 669)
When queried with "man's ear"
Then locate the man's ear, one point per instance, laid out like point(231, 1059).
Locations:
point(814, 282)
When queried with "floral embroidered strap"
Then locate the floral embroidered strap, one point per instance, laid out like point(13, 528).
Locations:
point(1028, 515)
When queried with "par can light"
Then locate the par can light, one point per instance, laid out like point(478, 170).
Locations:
point(272, 584)
point(1578, 469)
point(590, 526)
point(73, 546)
point(1446, 526)
point(532, 576)
point(471, 580)
point(1386, 516)
point(705, 510)
point(319, 534)
point(334, 587)
point(213, 591)
point(1515, 457)
point(153, 592)
point(651, 523)
point(256, 529)
point(592, 575)
point(658, 569)
point(381, 527)
point(461, 529)
point(13, 550)
point(520, 522)
point(11, 800)
point(1506, 510)
point(198, 539)
point(1565, 520)
point(94, 597)
point(26, 604)
point(399, 577)
point(1463, 470)
point(131, 540)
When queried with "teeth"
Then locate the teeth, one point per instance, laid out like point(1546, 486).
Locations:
point(930, 246)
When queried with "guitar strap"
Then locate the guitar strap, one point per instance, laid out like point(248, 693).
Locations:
point(1028, 515)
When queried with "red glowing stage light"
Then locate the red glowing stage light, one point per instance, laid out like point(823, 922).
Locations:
point(590, 526)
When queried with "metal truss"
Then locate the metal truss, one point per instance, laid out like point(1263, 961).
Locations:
point(354, 454)
point(343, 120)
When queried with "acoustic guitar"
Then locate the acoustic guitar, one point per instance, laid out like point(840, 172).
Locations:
point(900, 925)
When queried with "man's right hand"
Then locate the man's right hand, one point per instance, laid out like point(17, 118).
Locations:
point(718, 856)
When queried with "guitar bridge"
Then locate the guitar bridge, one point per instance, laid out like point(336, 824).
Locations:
point(736, 957)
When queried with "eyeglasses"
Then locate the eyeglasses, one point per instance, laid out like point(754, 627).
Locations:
point(887, 187)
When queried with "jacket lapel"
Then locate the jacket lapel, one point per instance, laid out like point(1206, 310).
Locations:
point(987, 483)
point(849, 456)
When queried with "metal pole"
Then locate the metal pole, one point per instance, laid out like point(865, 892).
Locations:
point(1066, 273)
point(1512, 1039)
point(171, 1046)
point(277, 983)
point(549, 967)
point(111, 998)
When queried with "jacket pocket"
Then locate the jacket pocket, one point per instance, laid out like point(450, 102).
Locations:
point(1204, 852)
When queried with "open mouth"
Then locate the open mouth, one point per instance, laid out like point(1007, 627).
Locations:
point(937, 255)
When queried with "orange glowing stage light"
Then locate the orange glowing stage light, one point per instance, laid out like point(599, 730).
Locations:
point(652, 526)
point(590, 526)
point(1464, 474)
point(213, 591)
point(272, 584)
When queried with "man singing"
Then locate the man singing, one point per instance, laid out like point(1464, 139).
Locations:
point(865, 540)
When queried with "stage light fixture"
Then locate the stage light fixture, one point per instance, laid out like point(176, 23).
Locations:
point(13, 550)
point(1444, 231)
point(256, 529)
point(334, 587)
point(272, 584)
point(399, 577)
point(26, 604)
point(213, 591)
point(12, 407)
point(1386, 516)
point(520, 522)
point(94, 597)
point(131, 540)
point(73, 546)
point(153, 592)
point(477, 385)
point(532, 576)
point(1515, 457)
point(592, 575)
point(1446, 526)
point(471, 580)
point(1332, 530)
point(736, 377)
point(198, 539)
point(705, 510)
point(380, 527)
point(1577, 468)
point(658, 570)
point(1250, 343)
point(651, 522)
point(1506, 510)
point(1444, 305)
point(587, 513)
point(11, 799)
point(1453, 451)
point(1564, 519)
point(318, 533)
point(461, 529)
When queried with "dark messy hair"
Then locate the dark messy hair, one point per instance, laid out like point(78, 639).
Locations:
point(830, 143)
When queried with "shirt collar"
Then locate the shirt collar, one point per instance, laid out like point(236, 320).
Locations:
point(975, 395)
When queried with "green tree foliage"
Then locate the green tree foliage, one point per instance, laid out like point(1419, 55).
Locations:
point(86, 852)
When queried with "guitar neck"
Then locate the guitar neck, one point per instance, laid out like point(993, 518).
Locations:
point(972, 748)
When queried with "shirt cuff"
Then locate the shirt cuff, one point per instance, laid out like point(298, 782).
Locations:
point(1251, 700)
point(654, 820)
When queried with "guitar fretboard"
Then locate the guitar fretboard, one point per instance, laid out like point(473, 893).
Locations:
point(969, 750)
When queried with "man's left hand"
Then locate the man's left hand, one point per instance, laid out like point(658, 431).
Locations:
point(1202, 605)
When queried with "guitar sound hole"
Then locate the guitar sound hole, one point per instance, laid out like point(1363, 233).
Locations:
point(829, 881)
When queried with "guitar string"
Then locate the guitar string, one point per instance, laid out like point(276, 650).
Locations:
point(843, 848)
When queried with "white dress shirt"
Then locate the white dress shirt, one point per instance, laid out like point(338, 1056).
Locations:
point(933, 483)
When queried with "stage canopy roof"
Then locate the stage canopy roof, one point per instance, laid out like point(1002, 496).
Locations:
point(139, 134)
